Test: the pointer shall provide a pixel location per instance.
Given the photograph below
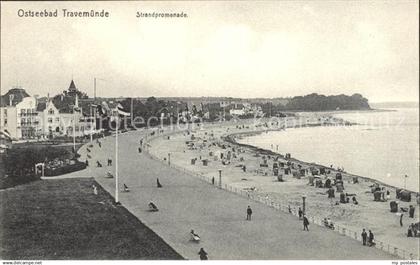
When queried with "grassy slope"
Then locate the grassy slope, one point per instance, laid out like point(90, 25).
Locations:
point(63, 219)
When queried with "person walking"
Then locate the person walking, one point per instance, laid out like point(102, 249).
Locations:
point(371, 239)
point(203, 254)
point(248, 213)
point(305, 223)
point(300, 212)
point(411, 211)
point(401, 218)
point(364, 237)
point(158, 183)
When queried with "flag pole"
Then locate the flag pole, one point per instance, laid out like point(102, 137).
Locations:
point(74, 131)
point(91, 125)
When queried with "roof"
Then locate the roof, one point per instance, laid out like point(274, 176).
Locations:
point(17, 94)
point(72, 86)
point(41, 106)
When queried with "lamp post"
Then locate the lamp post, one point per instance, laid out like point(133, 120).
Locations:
point(304, 204)
point(74, 131)
point(405, 181)
point(220, 178)
point(169, 159)
point(91, 125)
point(116, 159)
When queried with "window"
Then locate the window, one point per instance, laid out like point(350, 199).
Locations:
point(57, 119)
point(5, 122)
point(5, 112)
point(50, 120)
point(23, 121)
point(51, 111)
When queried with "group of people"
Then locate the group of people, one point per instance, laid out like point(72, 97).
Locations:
point(368, 239)
point(413, 231)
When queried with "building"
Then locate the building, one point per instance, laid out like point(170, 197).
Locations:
point(18, 114)
point(25, 117)
point(5, 141)
point(50, 119)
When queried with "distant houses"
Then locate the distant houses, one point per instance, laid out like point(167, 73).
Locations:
point(25, 117)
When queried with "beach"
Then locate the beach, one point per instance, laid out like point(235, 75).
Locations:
point(209, 142)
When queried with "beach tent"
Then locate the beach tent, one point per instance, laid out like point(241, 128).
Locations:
point(342, 197)
point(331, 193)
point(302, 172)
point(403, 195)
point(318, 183)
point(328, 183)
point(394, 206)
point(339, 185)
point(377, 196)
point(311, 180)
point(338, 176)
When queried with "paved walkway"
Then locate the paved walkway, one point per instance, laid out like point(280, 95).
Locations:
point(218, 216)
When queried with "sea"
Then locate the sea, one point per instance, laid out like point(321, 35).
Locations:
point(384, 145)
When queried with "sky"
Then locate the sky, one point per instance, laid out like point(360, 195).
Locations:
point(235, 48)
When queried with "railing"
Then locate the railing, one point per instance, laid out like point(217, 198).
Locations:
point(287, 208)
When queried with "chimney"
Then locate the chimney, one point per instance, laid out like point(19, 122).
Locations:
point(11, 96)
point(36, 100)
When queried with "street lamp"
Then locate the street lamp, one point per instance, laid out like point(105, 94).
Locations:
point(405, 181)
point(169, 159)
point(116, 159)
point(304, 204)
point(220, 178)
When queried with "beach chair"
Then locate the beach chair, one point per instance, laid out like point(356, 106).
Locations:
point(194, 237)
point(153, 207)
point(126, 189)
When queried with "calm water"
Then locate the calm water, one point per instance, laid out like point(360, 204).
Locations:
point(385, 147)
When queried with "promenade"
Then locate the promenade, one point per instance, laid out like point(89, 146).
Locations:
point(218, 216)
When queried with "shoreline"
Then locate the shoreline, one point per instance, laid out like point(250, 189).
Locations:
point(368, 214)
point(231, 138)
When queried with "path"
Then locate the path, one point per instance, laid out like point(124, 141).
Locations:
point(218, 216)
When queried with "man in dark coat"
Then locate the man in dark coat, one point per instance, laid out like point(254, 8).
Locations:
point(411, 211)
point(248, 213)
point(305, 223)
point(203, 254)
point(364, 237)
point(300, 212)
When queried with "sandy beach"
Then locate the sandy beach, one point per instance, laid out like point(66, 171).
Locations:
point(209, 142)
